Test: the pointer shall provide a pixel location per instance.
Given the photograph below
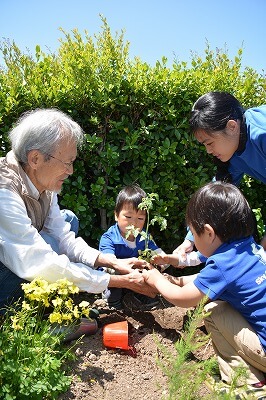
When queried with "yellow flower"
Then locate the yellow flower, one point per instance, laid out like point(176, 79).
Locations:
point(73, 289)
point(57, 302)
point(58, 295)
point(69, 304)
point(76, 312)
point(53, 287)
point(15, 324)
point(63, 291)
point(26, 305)
point(55, 317)
point(46, 302)
point(67, 317)
point(86, 312)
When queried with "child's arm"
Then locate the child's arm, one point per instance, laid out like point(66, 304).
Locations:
point(185, 296)
point(176, 260)
point(180, 280)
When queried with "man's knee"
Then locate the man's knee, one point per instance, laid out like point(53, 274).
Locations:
point(11, 290)
point(71, 217)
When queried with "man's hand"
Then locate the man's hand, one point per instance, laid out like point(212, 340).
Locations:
point(123, 266)
point(133, 281)
point(127, 265)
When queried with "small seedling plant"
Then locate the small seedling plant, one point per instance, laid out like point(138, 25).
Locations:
point(147, 205)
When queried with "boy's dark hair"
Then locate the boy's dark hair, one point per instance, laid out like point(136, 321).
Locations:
point(222, 206)
point(131, 194)
point(213, 110)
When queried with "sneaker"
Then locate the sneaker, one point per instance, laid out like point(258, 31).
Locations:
point(255, 392)
point(85, 327)
point(216, 385)
point(145, 302)
point(115, 305)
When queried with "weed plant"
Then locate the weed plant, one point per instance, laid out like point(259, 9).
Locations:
point(186, 374)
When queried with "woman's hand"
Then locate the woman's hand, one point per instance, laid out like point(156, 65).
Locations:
point(160, 259)
point(185, 247)
point(166, 259)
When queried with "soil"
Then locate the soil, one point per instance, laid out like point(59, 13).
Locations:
point(104, 374)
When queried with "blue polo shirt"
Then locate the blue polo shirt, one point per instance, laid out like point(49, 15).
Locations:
point(236, 273)
point(252, 160)
point(112, 242)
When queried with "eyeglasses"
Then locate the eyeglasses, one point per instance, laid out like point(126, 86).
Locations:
point(66, 164)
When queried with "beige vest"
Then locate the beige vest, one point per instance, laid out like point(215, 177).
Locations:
point(13, 177)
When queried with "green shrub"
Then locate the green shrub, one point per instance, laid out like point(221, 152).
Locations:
point(135, 120)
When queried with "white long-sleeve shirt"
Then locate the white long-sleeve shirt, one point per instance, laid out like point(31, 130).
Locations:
point(24, 251)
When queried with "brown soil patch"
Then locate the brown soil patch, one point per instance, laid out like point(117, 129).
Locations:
point(107, 374)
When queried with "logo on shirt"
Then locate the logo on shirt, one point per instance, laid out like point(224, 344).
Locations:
point(261, 278)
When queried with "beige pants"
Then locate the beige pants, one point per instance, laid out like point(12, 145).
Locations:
point(235, 342)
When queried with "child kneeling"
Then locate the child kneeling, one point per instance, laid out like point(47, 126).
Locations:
point(233, 280)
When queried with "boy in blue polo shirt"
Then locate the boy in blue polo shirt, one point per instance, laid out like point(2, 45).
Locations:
point(233, 280)
point(115, 241)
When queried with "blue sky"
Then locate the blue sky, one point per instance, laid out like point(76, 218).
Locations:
point(154, 28)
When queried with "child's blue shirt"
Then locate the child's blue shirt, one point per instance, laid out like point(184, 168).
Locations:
point(112, 242)
point(236, 273)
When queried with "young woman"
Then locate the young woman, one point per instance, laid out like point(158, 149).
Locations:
point(235, 137)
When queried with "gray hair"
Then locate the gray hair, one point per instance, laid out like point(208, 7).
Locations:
point(42, 129)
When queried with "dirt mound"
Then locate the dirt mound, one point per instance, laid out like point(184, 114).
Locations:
point(106, 374)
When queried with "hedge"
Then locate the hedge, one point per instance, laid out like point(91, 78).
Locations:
point(135, 122)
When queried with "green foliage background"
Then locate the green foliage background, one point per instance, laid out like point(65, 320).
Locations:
point(135, 121)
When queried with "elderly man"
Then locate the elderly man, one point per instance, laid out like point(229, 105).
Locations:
point(44, 148)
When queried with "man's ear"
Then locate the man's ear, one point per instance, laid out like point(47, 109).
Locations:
point(115, 217)
point(208, 229)
point(34, 158)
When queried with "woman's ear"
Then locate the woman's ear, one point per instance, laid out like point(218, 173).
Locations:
point(208, 229)
point(115, 216)
point(232, 125)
